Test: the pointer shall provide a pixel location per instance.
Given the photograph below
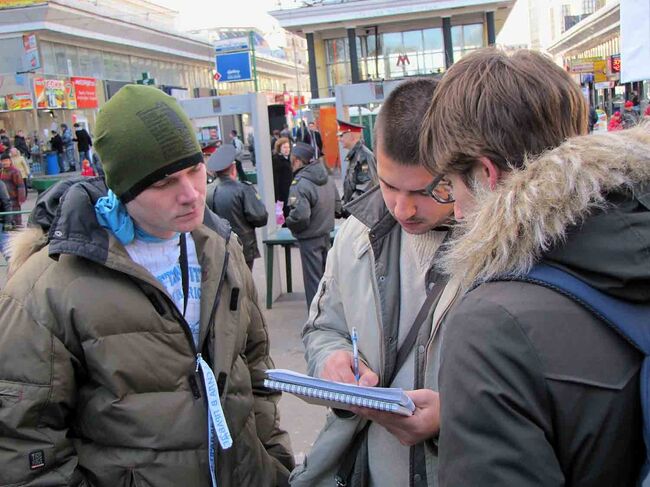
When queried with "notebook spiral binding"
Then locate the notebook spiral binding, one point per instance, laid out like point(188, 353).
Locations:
point(330, 396)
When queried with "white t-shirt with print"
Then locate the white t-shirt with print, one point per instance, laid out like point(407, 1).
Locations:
point(161, 259)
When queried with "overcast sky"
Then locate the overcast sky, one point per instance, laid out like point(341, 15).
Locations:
point(196, 14)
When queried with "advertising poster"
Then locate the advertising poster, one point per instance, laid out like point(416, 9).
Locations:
point(70, 99)
point(55, 93)
point(19, 101)
point(86, 92)
point(31, 60)
point(17, 3)
point(50, 93)
point(39, 92)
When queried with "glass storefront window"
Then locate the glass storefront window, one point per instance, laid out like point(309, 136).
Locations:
point(391, 43)
point(433, 40)
point(466, 38)
point(412, 41)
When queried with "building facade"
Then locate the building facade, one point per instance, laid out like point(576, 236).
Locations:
point(60, 60)
point(590, 51)
point(361, 40)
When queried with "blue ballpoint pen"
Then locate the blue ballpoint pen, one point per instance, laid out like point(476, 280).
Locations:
point(355, 354)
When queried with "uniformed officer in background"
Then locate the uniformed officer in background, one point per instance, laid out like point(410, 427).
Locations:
point(314, 203)
point(235, 201)
point(361, 173)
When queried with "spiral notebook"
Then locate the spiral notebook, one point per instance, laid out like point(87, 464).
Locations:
point(339, 395)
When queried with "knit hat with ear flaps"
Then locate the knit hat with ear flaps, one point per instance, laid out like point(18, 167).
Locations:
point(143, 135)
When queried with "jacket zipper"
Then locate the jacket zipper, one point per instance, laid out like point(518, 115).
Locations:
point(375, 287)
point(436, 325)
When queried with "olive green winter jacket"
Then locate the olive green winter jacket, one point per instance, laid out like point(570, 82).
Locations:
point(98, 382)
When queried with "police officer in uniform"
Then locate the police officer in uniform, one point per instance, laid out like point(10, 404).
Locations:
point(361, 174)
point(314, 202)
point(235, 201)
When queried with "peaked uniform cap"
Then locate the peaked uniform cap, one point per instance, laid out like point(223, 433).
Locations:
point(349, 126)
point(142, 135)
point(222, 158)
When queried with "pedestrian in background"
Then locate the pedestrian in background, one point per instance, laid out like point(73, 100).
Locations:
point(361, 172)
point(237, 202)
point(56, 144)
point(84, 142)
point(615, 122)
point(20, 163)
point(239, 154)
point(21, 144)
point(314, 203)
point(282, 173)
point(275, 135)
point(4, 139)
point(316, 140)
point(13, 180)
point(69, 158)
point(5, 205)
point(630, 115)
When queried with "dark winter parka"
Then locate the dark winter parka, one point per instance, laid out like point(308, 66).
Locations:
point(98, 381)
point(536, 390)
point(314, 202)
point(240, 204)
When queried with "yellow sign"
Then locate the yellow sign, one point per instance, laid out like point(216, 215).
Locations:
point(18, 3)
point(600, 71)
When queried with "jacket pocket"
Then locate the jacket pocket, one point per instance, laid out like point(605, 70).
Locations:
point(9, 397)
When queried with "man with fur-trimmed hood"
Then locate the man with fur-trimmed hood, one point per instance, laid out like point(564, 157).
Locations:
point(535, 390)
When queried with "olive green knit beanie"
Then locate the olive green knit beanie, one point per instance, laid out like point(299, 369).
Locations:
point(142, 135)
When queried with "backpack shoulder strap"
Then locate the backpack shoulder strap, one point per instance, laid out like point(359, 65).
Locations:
point(626, 318)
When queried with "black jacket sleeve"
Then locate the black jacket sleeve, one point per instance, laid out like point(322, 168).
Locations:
point(496, 428)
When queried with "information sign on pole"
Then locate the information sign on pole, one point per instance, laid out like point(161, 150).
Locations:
point(234, 66)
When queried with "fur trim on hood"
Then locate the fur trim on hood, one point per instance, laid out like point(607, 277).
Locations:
point(532, 209)
point(22, 245)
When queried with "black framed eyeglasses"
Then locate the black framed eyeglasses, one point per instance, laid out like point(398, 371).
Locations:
point(440, 189)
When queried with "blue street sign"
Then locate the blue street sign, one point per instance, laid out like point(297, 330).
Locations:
point(235, 66)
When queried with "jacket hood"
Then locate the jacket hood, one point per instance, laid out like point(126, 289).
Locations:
point(64, 217)
point(584, 207)
point(315, 172)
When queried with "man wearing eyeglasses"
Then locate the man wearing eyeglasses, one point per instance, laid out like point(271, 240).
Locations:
point(380, 279)
point(361, 173)
point(535, 389)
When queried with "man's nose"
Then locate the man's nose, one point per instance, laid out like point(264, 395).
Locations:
point(405, 207)
point(187, 194)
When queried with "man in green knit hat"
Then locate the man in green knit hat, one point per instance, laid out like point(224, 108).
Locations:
point(132, 349)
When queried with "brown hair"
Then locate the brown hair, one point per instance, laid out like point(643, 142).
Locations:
point(279, 143)
point(399, 120)
point(500, 106)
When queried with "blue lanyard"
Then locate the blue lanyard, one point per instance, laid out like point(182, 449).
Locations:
point(216, 418)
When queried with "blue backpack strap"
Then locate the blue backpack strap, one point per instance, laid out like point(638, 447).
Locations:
point(632, 321)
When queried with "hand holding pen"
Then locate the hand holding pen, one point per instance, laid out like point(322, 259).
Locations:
point(355, 354)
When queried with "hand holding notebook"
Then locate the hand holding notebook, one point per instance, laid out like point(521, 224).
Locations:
point(337, 394)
